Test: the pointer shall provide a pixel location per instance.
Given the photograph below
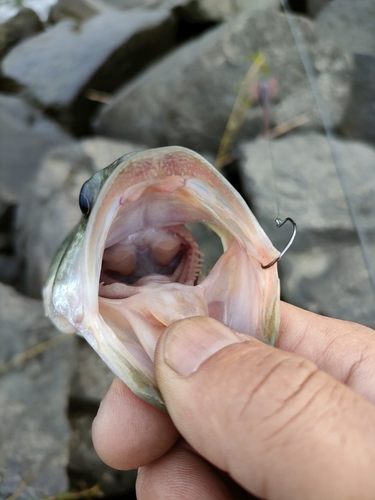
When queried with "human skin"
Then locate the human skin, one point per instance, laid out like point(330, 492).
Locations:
point(288, 423)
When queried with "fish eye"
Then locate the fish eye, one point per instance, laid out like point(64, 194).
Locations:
point(85, 199)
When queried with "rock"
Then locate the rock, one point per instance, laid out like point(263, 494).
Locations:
point(187, 97)
point(23, 25)
point(25, 137)
point(76, 9)
point(58, 66)
point(104, 151)
point(8, 268)
point(86, 466)
point(359, 117)
point(324, 270)
point(313, 7)
point(48, 211)
point(198, 11)
point(350, 24)
point(213, 11)
point(49, 208)
point(92, 377)
point(34, 431)
point(8, 262)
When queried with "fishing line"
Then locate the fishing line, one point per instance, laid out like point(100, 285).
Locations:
point(328, 128)
point(274, 177)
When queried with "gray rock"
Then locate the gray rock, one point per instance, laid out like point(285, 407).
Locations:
point(49, 208)
point(23, 25)
point(187, 97)
point(211, 10)
point(359, 117)
point(25, 137)
point(198, 10)
point(76, 9)
point(34, 430)
point(48, 211)
point(350, 24)
point(8, 261)
point(104, 151)
point(5, 242)
point(324, 270)
point(313, 7)
point(58, 66)
point(85, 465)
point(92, 377)
point(8, 268)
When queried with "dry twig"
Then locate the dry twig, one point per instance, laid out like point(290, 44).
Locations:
point(93, 492)
point(19, 359)
point(238, 114)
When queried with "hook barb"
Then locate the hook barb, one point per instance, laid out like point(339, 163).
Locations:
point(279, 223)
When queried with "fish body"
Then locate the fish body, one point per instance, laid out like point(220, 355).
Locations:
point(131, 267)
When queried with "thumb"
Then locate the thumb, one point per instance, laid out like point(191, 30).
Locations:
point(280, 427)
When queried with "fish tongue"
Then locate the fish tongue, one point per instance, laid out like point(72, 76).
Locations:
point(119, 290)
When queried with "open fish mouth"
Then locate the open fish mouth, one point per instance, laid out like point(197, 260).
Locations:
point(132, 266)
point(165, 254)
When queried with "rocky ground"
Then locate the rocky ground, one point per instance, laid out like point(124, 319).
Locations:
point(101, 78)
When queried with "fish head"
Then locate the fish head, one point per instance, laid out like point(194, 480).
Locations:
point(132, 267)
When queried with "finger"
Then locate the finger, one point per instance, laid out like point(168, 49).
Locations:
point(128, 432)
point(343, 349)
point(182, 474)
point(280, 427)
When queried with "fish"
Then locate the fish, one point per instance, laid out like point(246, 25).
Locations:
point(132, 266)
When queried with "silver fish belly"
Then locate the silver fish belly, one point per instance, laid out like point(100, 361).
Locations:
point(131, 267)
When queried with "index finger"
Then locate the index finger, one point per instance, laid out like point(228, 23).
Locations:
point(343, 349)
point(128, 432)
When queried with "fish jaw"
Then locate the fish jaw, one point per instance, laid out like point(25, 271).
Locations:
point(62, 292)
point(149, 196)
point(252, 306)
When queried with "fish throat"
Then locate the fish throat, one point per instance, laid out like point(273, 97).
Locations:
point(162, 255)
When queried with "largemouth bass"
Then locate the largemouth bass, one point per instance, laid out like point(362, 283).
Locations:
point(131, 267)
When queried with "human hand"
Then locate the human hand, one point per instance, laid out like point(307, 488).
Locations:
point(295, 422)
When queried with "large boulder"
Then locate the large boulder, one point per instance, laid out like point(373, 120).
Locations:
point(25, 137)
point(49, 208)
point(324, 270)
point(34, 431)
point(350, 24)
point(187, 97)
point(58, 66)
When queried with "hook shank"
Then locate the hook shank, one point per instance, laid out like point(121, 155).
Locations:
point(279, 223)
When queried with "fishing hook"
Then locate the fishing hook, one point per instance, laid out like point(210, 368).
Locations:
point(279, 223)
